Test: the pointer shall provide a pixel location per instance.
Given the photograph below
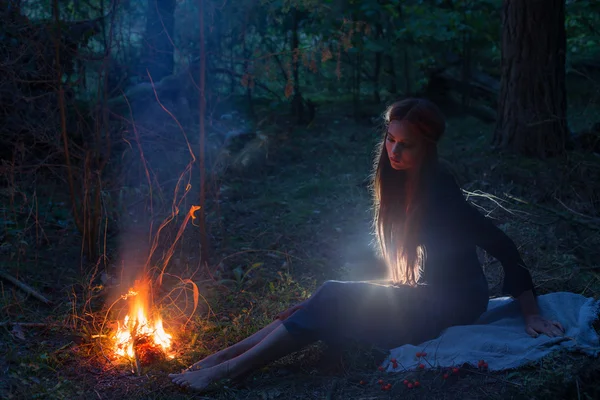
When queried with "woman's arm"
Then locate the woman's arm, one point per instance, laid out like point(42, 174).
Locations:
point(473, 227)
point(486, 235)
point(528, 304)
point(535, 324)
point(517, 279)
point(480, 230)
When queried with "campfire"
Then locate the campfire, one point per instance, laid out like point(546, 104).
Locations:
point(141, 335)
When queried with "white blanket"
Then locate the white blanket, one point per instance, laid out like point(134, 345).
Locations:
point(499, 336)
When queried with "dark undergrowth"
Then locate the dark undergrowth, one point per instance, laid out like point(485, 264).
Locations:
point(298, 217)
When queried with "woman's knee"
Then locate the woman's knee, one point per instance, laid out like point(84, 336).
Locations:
point(330, 286)
point(332, 283)
point(327, 291)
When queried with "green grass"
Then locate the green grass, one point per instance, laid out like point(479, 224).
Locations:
point(297, 219)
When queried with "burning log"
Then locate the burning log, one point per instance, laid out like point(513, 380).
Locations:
point(141, 337)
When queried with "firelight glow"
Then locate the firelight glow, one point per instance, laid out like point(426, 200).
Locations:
point(136, 324)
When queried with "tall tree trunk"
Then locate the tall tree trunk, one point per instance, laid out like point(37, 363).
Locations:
point(390, 70)
point(356, 86)
point(407, 70)
point(376, 73)
point(466, 62)
point(232, 80)
point(157, 56)
point(247, 53)
point(11, 10)
point(204, 245)
point(407, 42)
point(532, 101)
point(274, 52)
point(466, 88)
point(377, 67)
point(297, 106)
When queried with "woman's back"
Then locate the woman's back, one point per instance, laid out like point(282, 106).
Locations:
point(451, 231)
point(450, 254)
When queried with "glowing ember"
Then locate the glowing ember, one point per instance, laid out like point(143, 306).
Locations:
point(138, 329)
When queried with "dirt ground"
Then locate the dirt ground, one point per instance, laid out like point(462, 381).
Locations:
point(295, 218)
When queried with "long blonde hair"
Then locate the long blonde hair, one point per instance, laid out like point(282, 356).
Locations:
point(398, 201)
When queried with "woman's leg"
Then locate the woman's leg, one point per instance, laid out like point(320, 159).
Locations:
point(275, 345)
point(337, 311)
point(236, 349)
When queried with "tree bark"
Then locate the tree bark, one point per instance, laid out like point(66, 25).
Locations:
point(157, 58)
point(247, 53)
point(532, 100)
point(391, 72)
point(204, 245)
point(356, 86)
point(377, 67)
point(297, 106)
point(466, 63)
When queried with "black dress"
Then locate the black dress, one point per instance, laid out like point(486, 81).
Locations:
point(452, 289)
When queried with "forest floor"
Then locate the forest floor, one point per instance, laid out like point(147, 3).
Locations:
point(301, 218)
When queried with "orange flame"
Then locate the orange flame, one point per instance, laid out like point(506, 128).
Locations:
point(137, 325)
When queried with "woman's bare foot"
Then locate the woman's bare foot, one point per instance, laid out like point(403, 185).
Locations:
point(200, 380)
point(276, 344)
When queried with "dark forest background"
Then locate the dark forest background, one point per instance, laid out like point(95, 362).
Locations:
point(223, 149)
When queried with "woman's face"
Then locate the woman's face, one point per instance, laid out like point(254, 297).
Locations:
point(404, 145)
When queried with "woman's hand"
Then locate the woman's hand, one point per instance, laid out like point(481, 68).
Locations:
point(536, 324)
point(286, 314)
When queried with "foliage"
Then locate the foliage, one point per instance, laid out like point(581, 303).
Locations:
point(583, 35)
point(282, 222)
point(431, 29)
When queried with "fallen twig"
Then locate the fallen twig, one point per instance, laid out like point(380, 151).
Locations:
point(27, 324)
point(584, 220)
point(26, 288)
point(136, 356)
point(586, 217)
point(138, 364)
point(495, 377)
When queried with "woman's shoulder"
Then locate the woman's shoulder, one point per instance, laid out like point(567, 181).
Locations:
point(444, 185)
point(447, 170)
point(444, 174)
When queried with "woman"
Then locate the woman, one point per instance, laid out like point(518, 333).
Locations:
point(427, 234)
